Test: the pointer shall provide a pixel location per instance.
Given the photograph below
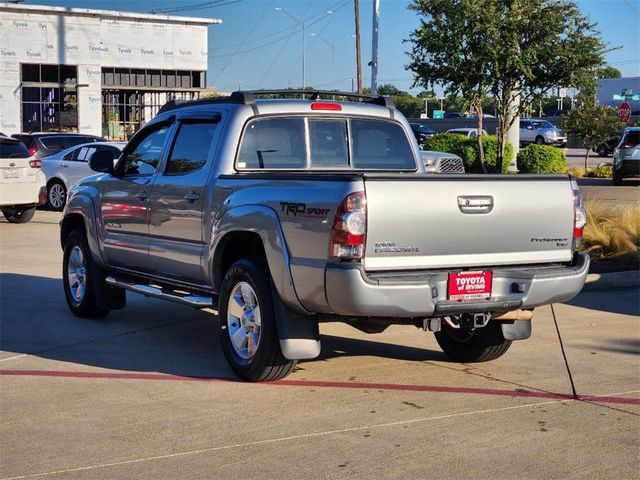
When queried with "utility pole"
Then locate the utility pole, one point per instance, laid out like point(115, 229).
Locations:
point(358, 60)
point(374, 48)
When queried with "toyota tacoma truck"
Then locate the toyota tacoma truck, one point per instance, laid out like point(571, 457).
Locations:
point(284, 213)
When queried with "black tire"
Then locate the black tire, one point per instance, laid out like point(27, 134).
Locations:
point(470, 346)
point(18, 215)
point(266, 362)
point(82, 304)
point(56, 195)
point(617, 178)
point(540, 140)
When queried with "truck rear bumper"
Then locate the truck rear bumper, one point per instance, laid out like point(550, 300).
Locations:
point(351, 291)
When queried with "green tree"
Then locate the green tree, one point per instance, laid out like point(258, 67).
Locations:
point(514, 50)
point(609, 72)
point(591, 123)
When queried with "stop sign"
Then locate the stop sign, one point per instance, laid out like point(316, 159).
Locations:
point(624, 112)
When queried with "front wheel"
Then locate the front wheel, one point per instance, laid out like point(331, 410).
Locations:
point(56, 195)
point(539, 140)
point(78, 272)
point(247, 324)
point(17, 215)
point(473, 345)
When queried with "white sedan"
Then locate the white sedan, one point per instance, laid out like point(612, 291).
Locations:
point(65, 168)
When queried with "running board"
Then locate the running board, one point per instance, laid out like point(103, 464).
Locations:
point(164, 293)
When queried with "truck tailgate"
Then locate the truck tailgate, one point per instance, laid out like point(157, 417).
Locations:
point(423, 222)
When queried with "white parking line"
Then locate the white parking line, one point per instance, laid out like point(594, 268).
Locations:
point(283, 439)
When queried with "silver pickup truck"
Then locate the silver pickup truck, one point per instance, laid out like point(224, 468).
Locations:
point(281, 214)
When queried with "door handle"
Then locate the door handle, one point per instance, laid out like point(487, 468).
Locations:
point(475, 204)
point(143, 195)
point(64, 165)
point(192, 197)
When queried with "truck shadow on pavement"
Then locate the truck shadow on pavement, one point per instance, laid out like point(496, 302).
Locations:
point(146, 336)
point(621, 301)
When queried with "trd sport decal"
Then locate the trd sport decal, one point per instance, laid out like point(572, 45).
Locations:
point(301, 210)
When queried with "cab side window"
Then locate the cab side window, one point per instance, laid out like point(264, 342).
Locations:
point(191, 147)
point(146, 155)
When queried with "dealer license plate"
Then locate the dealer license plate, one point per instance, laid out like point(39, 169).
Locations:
point(468, 285)
point(10, 173)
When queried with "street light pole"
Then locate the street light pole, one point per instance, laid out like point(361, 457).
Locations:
point(333, 58)
point(299, 22)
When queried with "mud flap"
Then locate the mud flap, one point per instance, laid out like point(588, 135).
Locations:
point(516, 329)
point(107, 297)
point(299, 334)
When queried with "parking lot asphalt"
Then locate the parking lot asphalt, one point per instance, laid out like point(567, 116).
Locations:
point(146, 393)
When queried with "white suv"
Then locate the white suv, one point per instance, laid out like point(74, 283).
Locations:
point(22, 183)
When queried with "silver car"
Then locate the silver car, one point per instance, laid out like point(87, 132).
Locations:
point(626, 156)
point(65, 168)
point(542, 132)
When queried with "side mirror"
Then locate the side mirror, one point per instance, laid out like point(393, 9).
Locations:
point(102, 161)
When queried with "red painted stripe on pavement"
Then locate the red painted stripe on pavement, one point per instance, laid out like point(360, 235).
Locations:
point(324, 384)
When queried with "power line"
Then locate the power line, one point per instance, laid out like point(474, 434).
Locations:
point(196, 6)
point(245, 39)
point(630, 5)
point(319, 15)
point(284, 46)
point(253, 49)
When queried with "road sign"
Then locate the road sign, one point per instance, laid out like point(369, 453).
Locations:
point(627, 92)
point(618, 97)
point(635, 97)
point(624, 112)
point(438, 113)
point(562, 92)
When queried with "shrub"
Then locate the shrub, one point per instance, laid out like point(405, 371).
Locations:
point(611, 232)
point(467, 149)
point(600, 172)
point(542, 159)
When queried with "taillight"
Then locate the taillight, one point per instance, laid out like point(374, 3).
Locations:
point(33, 150)
point(35, 163)
point(349, 230)
point(579, 214)
point(326, 106)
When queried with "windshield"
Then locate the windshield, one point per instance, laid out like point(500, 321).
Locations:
point(542, 124)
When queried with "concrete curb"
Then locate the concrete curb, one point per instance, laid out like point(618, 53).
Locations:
point(606, 281)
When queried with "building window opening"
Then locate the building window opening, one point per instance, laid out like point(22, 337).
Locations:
point(49, 98)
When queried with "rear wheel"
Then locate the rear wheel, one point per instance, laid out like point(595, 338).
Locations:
point(79, 273)
point(471, 345)
point(247, 324)
point(18, 215)
point(56, 195)
point(617, 177)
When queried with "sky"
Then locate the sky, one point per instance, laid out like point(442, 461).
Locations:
point(259, 44)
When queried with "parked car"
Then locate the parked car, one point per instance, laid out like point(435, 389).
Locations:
point(542, 132)
point(43, 144)
point(606, 148)
point(467, 132)
point(282, 214)
point(22, 183)
point(422, 132)
point(441, 162)
point(65, 168)
point(626, 156)
point(484, 115)
point(452, 115)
